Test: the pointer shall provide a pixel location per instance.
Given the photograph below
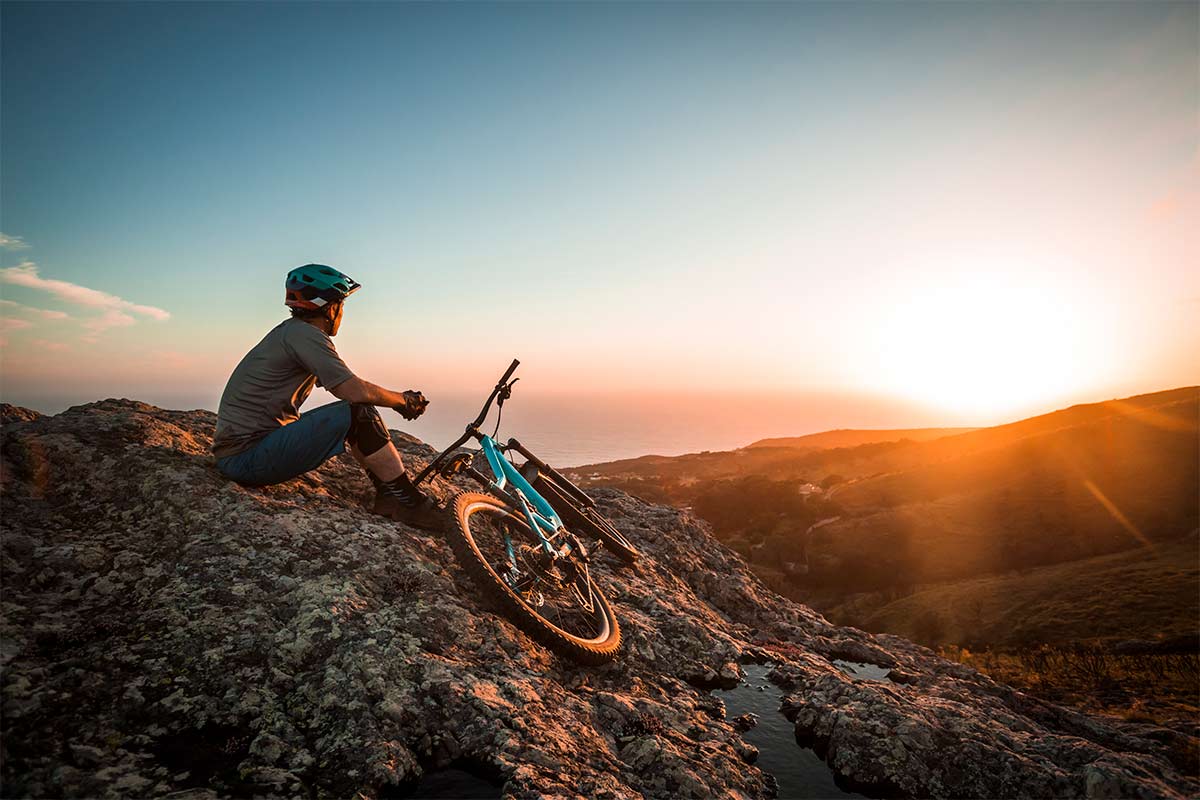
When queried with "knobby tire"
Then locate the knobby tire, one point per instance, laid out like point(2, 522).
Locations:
point(599, 649)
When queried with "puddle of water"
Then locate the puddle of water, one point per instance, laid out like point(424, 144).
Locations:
point(863, 672)
point(800, 772)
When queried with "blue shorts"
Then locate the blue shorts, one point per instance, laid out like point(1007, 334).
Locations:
point(293, 449)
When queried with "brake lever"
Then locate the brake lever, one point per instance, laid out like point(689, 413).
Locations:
point(505, 391)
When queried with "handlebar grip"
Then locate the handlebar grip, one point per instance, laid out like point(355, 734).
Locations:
point(511, 369)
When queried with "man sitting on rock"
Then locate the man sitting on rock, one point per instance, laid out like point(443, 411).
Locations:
point(262, 438)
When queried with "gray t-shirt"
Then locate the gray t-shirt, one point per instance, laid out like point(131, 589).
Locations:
point(271, 383)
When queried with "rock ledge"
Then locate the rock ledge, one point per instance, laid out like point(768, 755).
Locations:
point(167, 631)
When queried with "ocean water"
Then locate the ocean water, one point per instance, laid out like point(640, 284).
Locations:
point(572, 430)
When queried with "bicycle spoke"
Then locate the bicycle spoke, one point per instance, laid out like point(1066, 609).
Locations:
point(566, 612)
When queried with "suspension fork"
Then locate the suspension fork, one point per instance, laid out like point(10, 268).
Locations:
point(566, 485)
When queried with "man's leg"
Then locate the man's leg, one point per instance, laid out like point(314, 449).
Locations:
point(395, 495)
point(292, 449)
point(384, 464)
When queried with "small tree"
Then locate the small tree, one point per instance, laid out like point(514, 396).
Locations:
point(831, 481)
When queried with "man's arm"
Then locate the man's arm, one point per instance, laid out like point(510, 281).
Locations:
point(410, 404)
point(356, 390)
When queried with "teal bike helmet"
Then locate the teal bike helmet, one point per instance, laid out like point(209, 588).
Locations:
point(316, 285)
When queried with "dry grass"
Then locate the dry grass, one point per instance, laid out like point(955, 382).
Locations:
point(1158, 689)
point(1134, 594)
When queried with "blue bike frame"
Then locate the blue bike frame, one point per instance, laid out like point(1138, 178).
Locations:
point(510, 484)
point(509, 481)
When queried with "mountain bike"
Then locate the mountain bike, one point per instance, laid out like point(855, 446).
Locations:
point(522, 540)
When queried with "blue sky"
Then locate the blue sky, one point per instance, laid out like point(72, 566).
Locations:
point(655, 196)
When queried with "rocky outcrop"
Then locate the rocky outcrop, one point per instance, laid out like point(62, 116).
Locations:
point(165, 630)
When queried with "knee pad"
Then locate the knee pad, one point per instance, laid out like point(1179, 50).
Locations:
point(367, 431)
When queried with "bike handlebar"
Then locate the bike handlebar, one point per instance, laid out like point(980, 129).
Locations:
point(500, 386)
point(508, 373)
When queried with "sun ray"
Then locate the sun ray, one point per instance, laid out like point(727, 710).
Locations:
point(1112, 509)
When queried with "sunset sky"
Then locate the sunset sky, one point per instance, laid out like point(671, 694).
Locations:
point(959, 212)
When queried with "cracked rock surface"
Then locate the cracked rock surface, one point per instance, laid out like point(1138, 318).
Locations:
point(167, 631)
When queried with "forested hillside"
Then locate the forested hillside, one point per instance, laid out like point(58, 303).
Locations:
point(890, 517)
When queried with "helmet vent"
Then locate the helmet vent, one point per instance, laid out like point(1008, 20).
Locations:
point(307, 278)
point(328, 272)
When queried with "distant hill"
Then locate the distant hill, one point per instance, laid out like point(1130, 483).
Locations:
point(1053, 509)
point(1055, 488)
point(875, 458)
point(1168, 411)
point(845, 437)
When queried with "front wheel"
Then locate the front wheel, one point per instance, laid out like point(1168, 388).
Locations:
point(553, 600)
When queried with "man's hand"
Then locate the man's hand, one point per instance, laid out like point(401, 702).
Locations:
point(413, 406)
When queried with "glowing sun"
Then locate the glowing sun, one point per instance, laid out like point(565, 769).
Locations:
point(985, 346)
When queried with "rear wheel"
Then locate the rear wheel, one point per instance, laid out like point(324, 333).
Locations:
point(585, 520)
point(553, 600)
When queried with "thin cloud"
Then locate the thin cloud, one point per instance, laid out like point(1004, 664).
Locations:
point(40, 313)
point(26, 274)
point(9, 324)
point(12, 242)
point(109, 319)
point(53, 347)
